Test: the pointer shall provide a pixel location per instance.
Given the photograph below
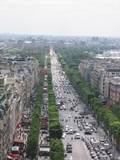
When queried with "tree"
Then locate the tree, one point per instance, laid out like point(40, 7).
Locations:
point(57, 149)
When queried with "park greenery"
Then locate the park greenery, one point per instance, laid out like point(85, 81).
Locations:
point(109, 118)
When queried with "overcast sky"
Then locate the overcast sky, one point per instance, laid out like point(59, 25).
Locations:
point(61, 17)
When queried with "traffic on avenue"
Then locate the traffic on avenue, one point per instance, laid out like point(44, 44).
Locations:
point(83, 139)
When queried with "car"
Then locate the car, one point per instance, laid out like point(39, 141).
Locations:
point(58, 104)
point(111, 155)
point(98, 153)
point(66, 129)
point(44, 151)
point(63, 135)
point(69, 148)
point(69, 116)
point(81, 113)
point(103, 157)
point(95, 130)
point(71, 109)
point(60, 108)
point(80, 128)
point(87, 133)
point(66, 126)
point(95, 158)
point(79, 125)
point(108, 152)
point(88, 129)
point(63, 107)
point(65, 154)
point(77, 136)
point(70, 130)
point(102, 148)
point(103, 153)
point(47, 138)
point(44, 131)
point(79, 117)
point(92, 152)
point(76, 110)
point(93, 155)
point(75, 131)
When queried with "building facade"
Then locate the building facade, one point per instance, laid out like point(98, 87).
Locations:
point(98, 73)
point(17, 83)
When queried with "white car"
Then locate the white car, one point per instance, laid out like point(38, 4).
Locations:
point(64, 107)
point(66, 128)
point(77, 136)
point(63, 135)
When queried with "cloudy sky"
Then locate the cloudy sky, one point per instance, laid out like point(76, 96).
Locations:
point(61, 17)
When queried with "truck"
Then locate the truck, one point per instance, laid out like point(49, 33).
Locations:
point(44, 151)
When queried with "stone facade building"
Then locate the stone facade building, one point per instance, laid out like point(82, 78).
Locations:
point(17, 83)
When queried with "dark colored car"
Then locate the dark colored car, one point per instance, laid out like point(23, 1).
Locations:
point(69, 148)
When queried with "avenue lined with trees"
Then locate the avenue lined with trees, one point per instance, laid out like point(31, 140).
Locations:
point(110, 119)
point(32, 143)
point(35, 125)
point(55, 128)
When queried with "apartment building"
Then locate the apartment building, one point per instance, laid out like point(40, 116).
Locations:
point(85, 68)
point(95, 76)
point(98, 73)
point(105, 78)
point(4, 121)
point(114, 90)
point(16, 85)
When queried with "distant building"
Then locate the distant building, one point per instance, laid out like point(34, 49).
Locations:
point(114, 90)
point(99, 72)
point(4, 121)
point(95, 76)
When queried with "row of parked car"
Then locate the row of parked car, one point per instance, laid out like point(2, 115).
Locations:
point(17, 149)
point(44, 146)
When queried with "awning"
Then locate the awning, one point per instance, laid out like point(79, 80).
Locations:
point(9, 157)
point(13, 155)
